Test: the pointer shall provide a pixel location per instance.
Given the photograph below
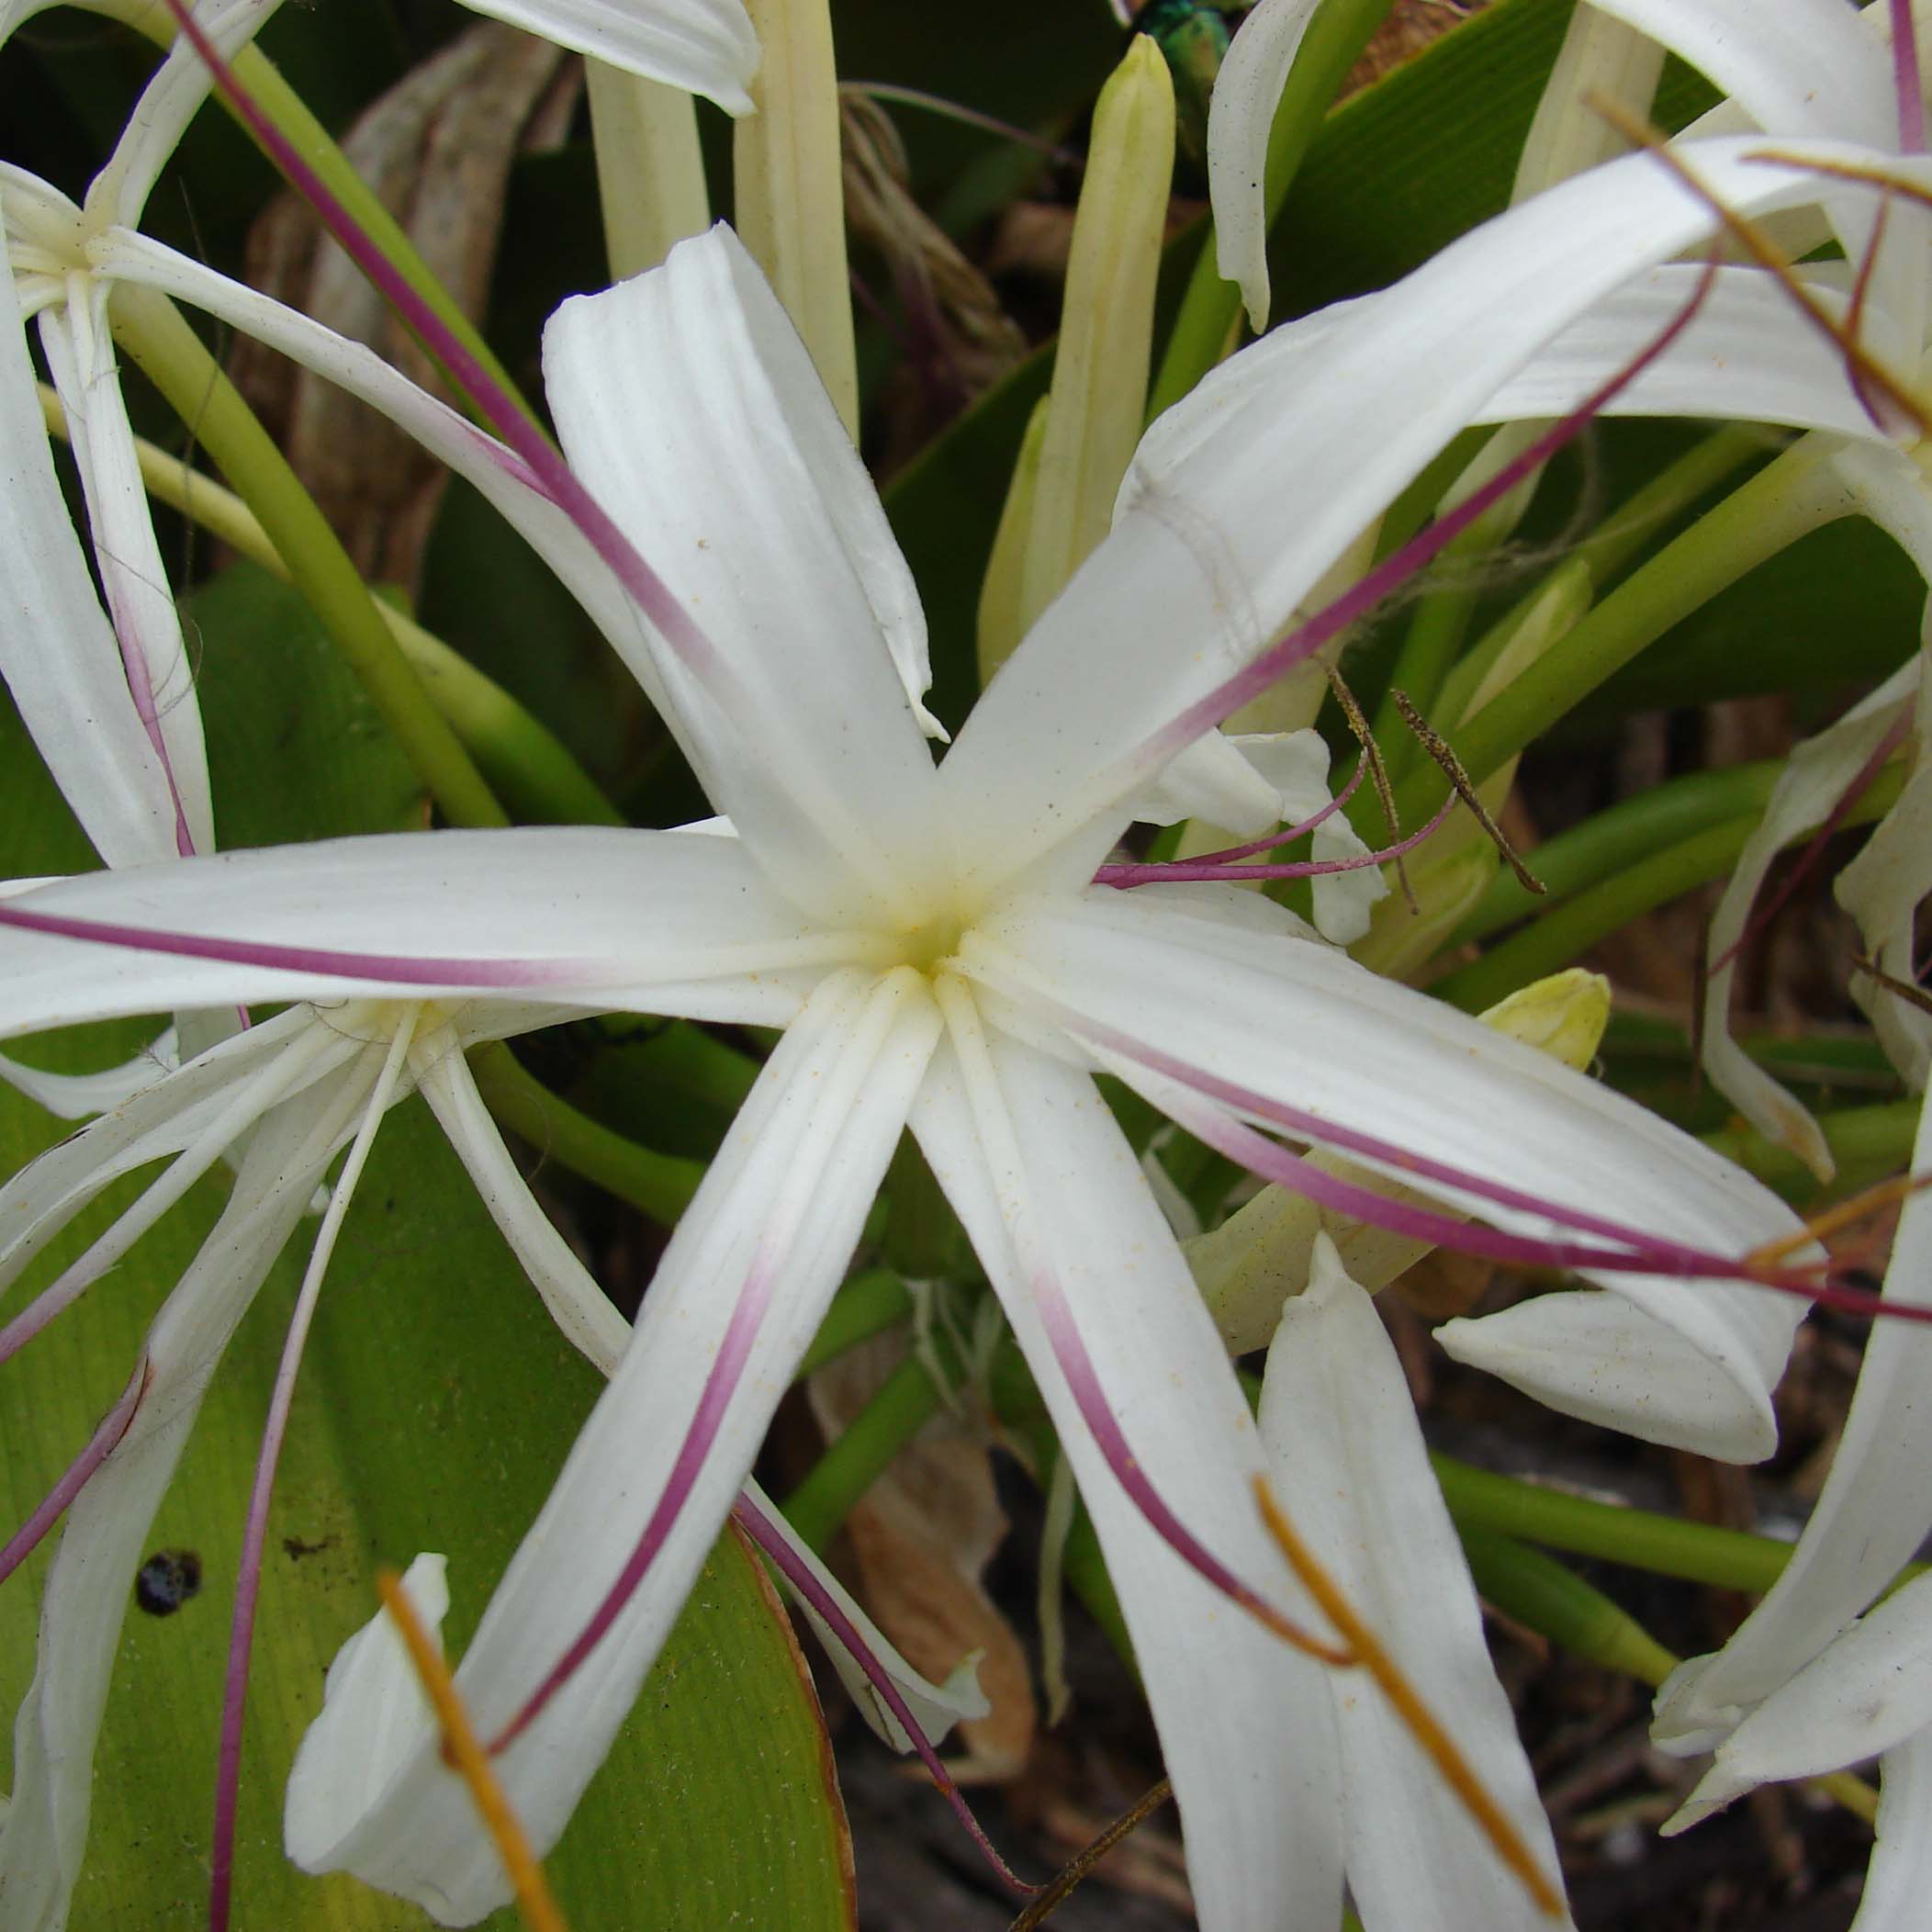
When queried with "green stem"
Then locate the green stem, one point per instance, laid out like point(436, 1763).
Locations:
point(659, 1185)
point(1623, 835)
point(522, 759)
point(866, 1306)
point(899, 1409)
point(1784, 502)
point(153, 332)
point(1484, 1504)
point(1210, 307)
point(1558, 937)
point(1556, 1602)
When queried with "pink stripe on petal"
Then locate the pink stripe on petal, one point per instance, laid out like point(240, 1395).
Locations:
point(100, 1446)
point(1905, 70)
point(1302, 642)
point(720, 1384)
point(402, 970)
point(758, 1527)
point(1083, 1384)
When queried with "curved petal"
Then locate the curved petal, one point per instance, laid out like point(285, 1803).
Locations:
point(1241, 116)
point(686, 402)
point(1749, 356)
point(167, 104)
point(107, 1526)
point(1238, 509)
point(1815, 780)
point(1873, 1513)
point(74, 1096)
point(737, 1299)
point(707, 46)
point(1870, 1691)
point(1317, 1034)
point(570, 916)
point(1354, 1477)
point(1245, 1724)
point(57, 652)
point(1900, 1876)
point(140, 601)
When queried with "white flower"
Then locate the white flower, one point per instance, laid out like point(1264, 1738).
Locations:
point(932, 944)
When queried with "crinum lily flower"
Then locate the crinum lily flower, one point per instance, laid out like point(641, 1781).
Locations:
point(933, 945)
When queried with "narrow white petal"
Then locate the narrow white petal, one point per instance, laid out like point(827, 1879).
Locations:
point(744, 1283)
point(1240, 115)
point(686, 402)
point(1352, 1474)
point(1750, 356)
point(703, 46)
point(1306, 1027)
point(571, 916)
point(1900, 1878)
point(1870, 1691)
point(140, 601)
point(375, 1710)
point(589, 1321)
point(74, 1096)
point(1815, 780)
point(1873, 1513)
point(1245, 1724)
point(167, 104)
point(57, 653)
point(1239, 509)
point(107, 1526)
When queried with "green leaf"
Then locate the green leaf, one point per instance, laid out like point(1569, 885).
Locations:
point(296, 748)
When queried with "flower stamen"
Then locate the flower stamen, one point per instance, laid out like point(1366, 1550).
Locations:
point(462, 1749)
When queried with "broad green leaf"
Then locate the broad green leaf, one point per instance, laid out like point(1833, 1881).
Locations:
point(296, 748)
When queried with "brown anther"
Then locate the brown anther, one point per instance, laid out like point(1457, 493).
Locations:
point(1417, 1718)
point(1058, 1887)
point(1899, 989)
point(1377, 773)
point(1437, 747)
point(463, 1752)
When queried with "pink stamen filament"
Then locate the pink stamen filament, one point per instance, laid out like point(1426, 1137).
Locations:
point(762, 1532)
point(105, 1440)
point(720, 1384)
point(248, 1579)
point(454, 973)
point(1182, 870)
point(1808, 859)
point(1302, 642)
